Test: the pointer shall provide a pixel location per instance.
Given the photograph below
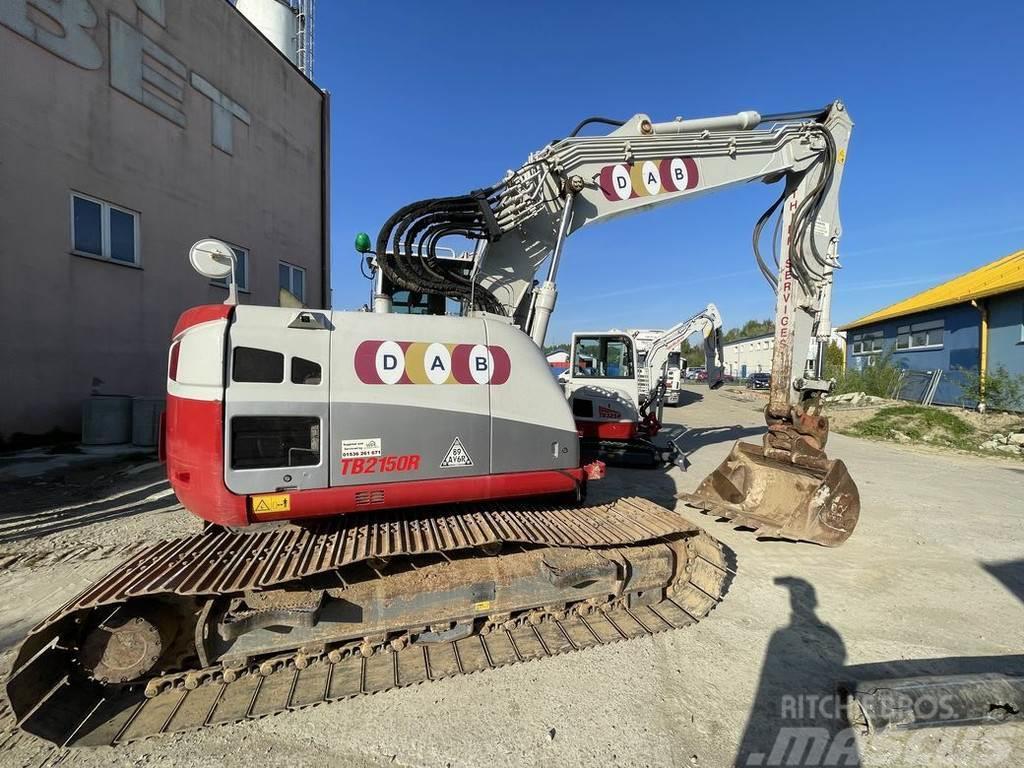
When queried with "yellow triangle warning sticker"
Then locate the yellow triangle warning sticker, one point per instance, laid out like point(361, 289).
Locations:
point(271, 503)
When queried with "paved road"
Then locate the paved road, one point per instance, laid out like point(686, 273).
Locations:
point(934, 571)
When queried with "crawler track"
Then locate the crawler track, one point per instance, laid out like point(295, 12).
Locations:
point(52, 697)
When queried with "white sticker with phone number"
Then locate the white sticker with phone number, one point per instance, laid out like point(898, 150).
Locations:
point(361, 448)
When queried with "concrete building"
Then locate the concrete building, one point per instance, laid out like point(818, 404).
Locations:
point(753, 354)
point(742, 357)
point(131, 129)
point(970, 323)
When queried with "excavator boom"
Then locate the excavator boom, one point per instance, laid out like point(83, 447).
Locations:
point(523, 222)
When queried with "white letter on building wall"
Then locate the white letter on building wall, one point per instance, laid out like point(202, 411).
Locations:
point(223, 110)
point(76, 18)
point(129, 70)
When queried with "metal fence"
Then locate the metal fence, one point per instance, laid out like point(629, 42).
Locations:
point(936, 386)
point(917, 386)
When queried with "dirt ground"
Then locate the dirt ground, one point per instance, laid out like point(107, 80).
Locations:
point(985, 424)
point(932, 580)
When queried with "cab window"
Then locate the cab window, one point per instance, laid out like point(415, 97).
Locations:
point(603, 357)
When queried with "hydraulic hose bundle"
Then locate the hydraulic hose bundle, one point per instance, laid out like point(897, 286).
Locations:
point(804, 216)
point(406, 245)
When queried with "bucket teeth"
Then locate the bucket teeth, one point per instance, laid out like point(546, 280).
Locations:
point(780, 499)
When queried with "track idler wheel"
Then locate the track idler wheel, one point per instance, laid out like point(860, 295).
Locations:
point(122, 648)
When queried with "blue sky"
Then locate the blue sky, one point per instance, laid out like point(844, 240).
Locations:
point(438, 98)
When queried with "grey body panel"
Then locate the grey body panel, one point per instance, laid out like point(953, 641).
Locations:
point(406, 430)
point(518, 424)
point(521, 447)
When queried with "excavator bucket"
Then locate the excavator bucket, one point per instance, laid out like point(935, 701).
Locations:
point(780, 499)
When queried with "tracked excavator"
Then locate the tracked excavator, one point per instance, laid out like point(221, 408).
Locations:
point(617, 384)
point(391, 499)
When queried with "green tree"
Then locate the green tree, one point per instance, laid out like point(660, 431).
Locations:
point(998, 389)
point(750, 328)
point(834, 361)
point(880, 377)
point(693, 355)
point(564, 347)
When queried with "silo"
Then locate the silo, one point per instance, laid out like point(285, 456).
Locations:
point(276, 20)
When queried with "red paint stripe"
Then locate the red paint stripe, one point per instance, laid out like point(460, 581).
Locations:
point(665, 171)
point(460, 364)
point(691, 172)
point(365, 362)
point(607, 430)
point(419, 493)
point(194, 444)
point(201, 314)
point(606, 184)
point(502, 365)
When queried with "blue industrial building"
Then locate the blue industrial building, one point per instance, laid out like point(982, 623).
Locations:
point(970, 323)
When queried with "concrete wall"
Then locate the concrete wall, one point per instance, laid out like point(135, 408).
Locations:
point(83, 110)
point(1006, 332)
point(960, 347)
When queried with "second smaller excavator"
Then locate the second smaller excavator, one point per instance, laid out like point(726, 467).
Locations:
point(617, 382)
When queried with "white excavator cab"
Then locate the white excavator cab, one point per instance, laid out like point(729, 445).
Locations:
point(603, 386)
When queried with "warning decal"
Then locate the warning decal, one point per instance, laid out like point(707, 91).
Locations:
point(271, 503)
point(457, 456)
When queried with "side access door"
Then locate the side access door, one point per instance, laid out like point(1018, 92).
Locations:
point(276, 404)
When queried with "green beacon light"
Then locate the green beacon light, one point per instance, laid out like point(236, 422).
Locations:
point(362, 242)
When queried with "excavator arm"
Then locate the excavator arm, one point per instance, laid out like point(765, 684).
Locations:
point(788, 488)
point(523, 221)
point(709, 322)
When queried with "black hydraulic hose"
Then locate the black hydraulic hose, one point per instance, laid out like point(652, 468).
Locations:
point(806, 213)
point(775, 239)
point(809, 114)
point(772, 279)
point(414, 231)
point(808, 210)
point(596, 119)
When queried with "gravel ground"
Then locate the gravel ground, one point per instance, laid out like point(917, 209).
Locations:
point(935, 570)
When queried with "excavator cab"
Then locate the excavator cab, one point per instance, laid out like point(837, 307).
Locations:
point(602, 385)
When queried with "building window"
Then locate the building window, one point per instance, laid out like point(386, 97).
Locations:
point(920, 335)
point(868, 343)
point(241, 270)
point(103, 230)
point(292, 279)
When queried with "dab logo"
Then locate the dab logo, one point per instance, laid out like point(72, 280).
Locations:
point(651, 177)
point(430, 362)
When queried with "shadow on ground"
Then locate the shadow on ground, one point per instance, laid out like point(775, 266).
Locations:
point(148, 498)
point(687, 397)
point(693, 439)
point(1011, 574)
point(796, 718)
